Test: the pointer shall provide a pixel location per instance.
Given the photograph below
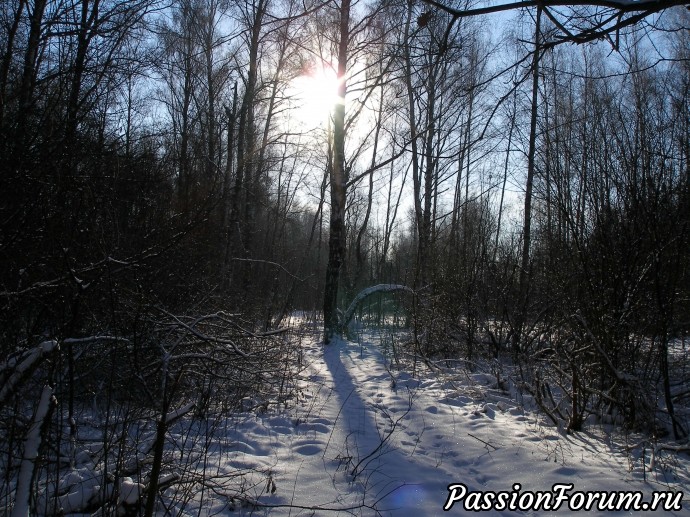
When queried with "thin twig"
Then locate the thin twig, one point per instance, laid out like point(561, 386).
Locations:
point(485, 443)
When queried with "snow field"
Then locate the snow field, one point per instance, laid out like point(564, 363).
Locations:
point(368, 440)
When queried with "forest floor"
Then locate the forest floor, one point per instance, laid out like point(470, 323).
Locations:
point(366, 438)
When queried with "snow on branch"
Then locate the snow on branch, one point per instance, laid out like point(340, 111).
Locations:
point(180, 412)
point(200, 335)
point(365, 293)
point(23, 367)
point(17, 368)
point(92, 339)
point(31, 446)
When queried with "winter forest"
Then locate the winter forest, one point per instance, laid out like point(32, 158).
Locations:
point(327, 257)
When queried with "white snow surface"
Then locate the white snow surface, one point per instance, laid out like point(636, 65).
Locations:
point(366, 438)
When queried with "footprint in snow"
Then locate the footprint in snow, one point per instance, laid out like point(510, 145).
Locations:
point(452, 402)
point(566, 471)
point(243, 447)
point(313, 426)
point(282, 430)
point(307, 449)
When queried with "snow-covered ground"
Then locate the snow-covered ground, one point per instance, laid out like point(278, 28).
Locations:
point(364, 438)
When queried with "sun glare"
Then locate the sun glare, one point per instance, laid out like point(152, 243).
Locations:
point(316, 93)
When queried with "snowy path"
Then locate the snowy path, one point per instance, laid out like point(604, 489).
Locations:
point(360, 438)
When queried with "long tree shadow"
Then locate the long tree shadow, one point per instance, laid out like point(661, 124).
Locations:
point(393, 480)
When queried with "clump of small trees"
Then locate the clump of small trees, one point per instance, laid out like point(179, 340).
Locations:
point(586, 300)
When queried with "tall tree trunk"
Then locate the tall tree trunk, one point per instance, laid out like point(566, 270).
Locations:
point(249, 137)
point(246, 181)
point(360, 235)
point(336, 240)
point(229, 208)
point(26, 91)
point(7, 58)
point(211, 164)
point(425, 244)
point(505, 178)
point(527, 224)
point(391, 215)
point(416, 178)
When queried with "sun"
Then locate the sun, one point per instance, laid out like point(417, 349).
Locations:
point(315, 92)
